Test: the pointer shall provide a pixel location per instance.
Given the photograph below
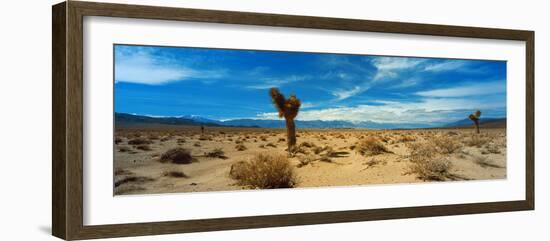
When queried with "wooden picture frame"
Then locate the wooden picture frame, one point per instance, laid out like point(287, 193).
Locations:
point(67, 124)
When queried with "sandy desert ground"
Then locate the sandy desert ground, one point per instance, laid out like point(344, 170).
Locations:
point(324, 157)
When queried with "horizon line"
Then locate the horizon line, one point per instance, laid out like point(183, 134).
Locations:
point(282, 119)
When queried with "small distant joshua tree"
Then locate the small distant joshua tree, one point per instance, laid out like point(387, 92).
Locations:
point(475, 118)
point(288, 108)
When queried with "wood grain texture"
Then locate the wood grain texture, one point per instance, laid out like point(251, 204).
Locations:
point(74, 133)
point(530, 120)
point(59, 192)
point(67, 78)
point(279, 20)
point(121, 230)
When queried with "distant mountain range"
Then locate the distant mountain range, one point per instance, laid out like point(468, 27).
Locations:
point(484, 123)
point(123, 119)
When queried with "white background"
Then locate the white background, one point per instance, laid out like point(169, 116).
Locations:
point(26, 120)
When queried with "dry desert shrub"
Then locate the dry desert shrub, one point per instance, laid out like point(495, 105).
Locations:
point(130, 188)
point(374, 162)
point(271, 145)
point(216, 153)
point(133, 179)
point(177, 155)
point(305, 160)
point(124, 149)
point(320, 150)
point(240, 147)
point(307, 144)
point(406, 138)
point(421, 151)
point(176, 174)
point(143, 147)
point(452, 133)
point(476, 140)
point(492, 148)
point(120, 171)
point(264, 171)
point(384, 139)
point(297, 149)
point(446, 145)
point(330, 152)
point(436, 169)
point(427, 164)
point(370, 146)
point(118, 140)
point(326, 159)
point(139, 141)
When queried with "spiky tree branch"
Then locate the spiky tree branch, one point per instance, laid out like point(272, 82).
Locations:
point(475, 118)
point(287, 108)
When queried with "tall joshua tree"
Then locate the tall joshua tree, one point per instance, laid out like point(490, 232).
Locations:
point(288, 108)
point(475, 118)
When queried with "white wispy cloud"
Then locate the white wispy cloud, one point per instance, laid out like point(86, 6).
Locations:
point(386, 68)
point(307, 105)
point(428, 110)
point(461, 66)
point(389, 67)
point(474, 89)
point(406, 82)
point(445, 66)
point(342, 94)
point(258, 71)
point(142, 67)
point(338, 75)
point(267, 83)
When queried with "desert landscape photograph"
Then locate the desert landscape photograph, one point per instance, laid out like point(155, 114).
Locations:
point(190, 119)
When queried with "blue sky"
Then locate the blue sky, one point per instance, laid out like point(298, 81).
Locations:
point(229, 84)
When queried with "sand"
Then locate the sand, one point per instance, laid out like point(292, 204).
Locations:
point(140, 171)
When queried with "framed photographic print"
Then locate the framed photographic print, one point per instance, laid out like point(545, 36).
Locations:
point(171, 120)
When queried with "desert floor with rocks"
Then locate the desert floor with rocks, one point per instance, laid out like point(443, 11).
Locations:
point(322, 157)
